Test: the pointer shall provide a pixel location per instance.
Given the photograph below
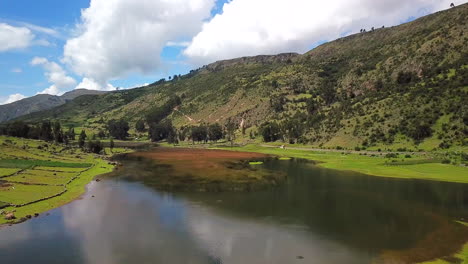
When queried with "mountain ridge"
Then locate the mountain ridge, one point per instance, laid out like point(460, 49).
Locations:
point(395, 86)
point(38, 103)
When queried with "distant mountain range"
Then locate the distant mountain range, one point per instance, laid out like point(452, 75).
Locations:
point(39, 102)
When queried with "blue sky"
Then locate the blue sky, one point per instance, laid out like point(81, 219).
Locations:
point(17, 75)
point(53, 46)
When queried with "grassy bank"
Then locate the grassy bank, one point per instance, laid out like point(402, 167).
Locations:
point(416, 167)
point(36, 176)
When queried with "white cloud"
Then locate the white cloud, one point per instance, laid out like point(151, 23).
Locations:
point(44, 30)
point(136, 86)
point(56, 75)
point(90, 84)
point(16, 70)
point(252, 27)
point(14, 37)
point(118, 37)
point(177, 44)
point(12, 98)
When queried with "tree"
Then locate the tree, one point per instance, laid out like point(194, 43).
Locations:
point(230, 131)
point(277, 103)
point(57, 133)
point(66, 140)
point(420, 131)
point(311, 106)
point(46, 131)
point(82, 138)
point(270, 132)
point(215, 132)
point(118, 129)
point(101, 134)
point(452, 5)
point(111, 144)
point(94, 146)
point(405, 77)
point(199, 133)
point(163, 130)
point(140, 126)
point(292, 129)
point(71, 133)
point(18, 129)
point(172, 137)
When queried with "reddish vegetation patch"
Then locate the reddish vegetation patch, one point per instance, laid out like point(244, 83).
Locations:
point(446, 240)
point(197, 159)
point(203, 169)
point(173, 154)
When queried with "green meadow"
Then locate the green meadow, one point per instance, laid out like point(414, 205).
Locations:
point(36, 176)
point(419, 166)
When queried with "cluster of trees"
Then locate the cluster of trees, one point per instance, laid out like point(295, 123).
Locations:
point(205, 133)
point(51, 132)
point(118, 129)
point(290, 129)
point(163, 130)
point(202, 133)
point(48, 131)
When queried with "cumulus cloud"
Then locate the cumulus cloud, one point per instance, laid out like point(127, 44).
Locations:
point(56, 75)
point(90, 84)
point(11, 98)
point(252, 27)
point(14, 37)
point(118, 37)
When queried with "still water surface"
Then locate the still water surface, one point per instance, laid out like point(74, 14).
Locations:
point(318, 216)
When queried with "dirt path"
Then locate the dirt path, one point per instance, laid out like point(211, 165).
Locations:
point(347, 151)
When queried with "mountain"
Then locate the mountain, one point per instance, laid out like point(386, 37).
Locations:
point(403, 86)
point(39, 102)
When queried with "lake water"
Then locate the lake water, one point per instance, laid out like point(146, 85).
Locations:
point(318, 216)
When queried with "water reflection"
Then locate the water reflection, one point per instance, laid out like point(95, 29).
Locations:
point(318, 216)
point(241, 241)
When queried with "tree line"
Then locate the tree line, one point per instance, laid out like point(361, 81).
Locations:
point(52, 132)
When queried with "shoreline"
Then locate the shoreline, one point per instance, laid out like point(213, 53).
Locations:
point(77, 190)
point(378, 166)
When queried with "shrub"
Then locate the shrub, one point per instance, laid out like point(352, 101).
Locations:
point(446, 161)
point(95, 146)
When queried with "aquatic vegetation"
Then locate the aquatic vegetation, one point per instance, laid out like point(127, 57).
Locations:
point(179, 169)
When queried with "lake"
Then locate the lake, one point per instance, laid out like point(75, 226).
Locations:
point(316, 216)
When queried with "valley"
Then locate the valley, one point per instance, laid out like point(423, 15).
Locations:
point(355, 151)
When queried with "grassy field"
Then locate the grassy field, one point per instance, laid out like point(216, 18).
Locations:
point(416, 167)
point(36, 176)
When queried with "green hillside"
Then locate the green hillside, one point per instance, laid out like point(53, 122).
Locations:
point(388, 88)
